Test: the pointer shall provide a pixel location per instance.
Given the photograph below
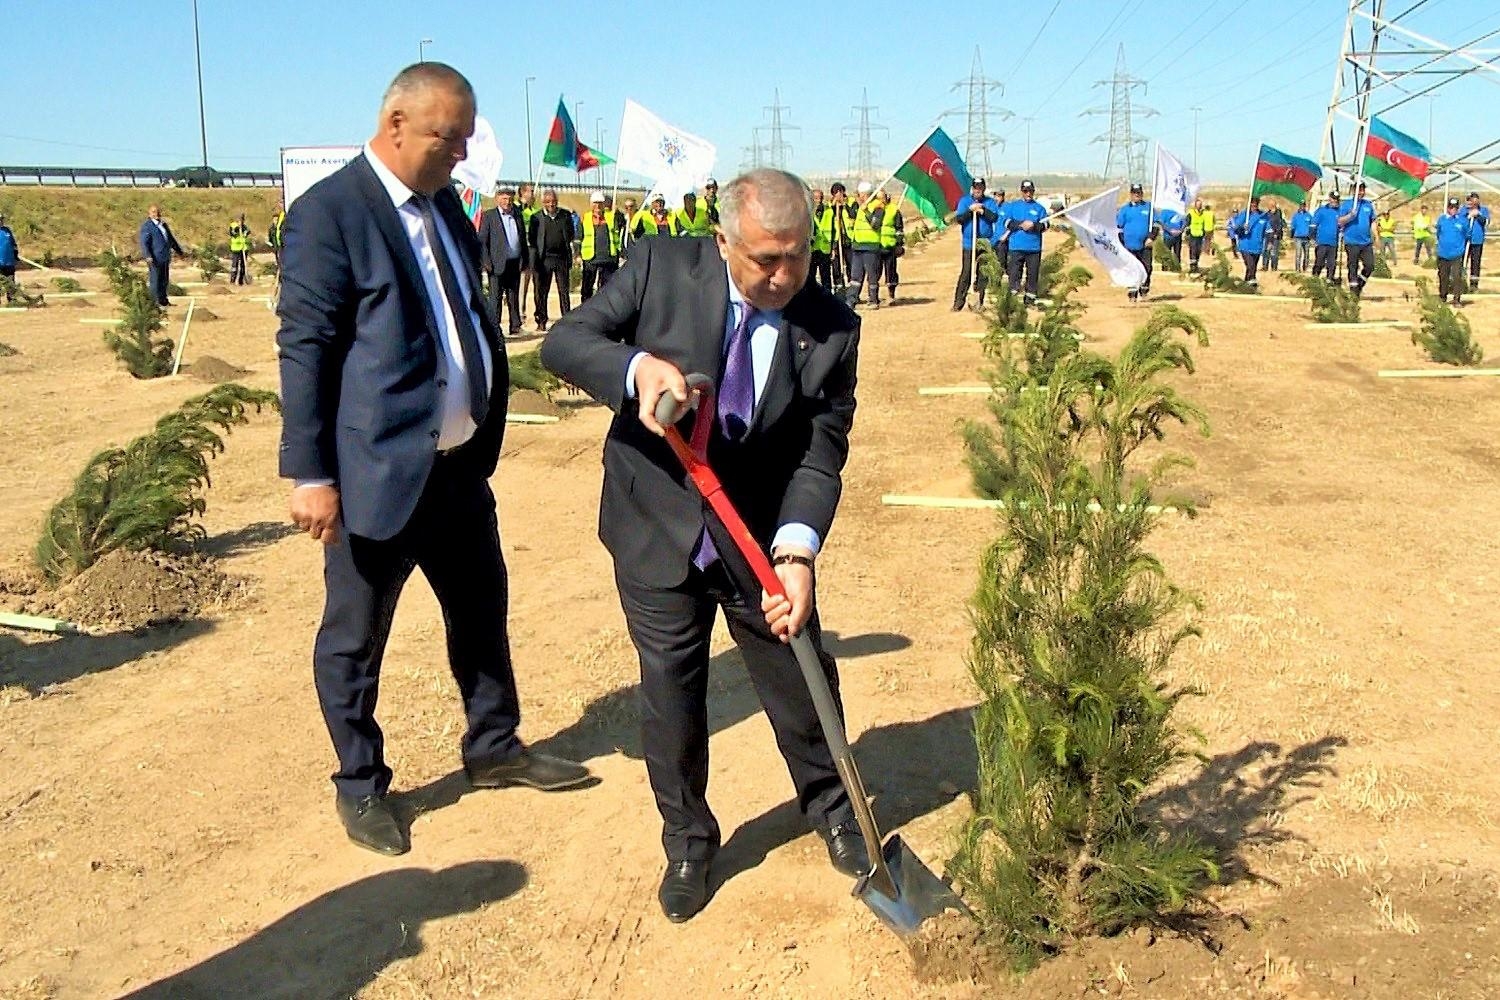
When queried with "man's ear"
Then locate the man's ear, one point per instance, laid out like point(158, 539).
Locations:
point(723, 245)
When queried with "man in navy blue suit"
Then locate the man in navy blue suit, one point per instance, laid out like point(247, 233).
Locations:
point(157, 246)
point(394, 384)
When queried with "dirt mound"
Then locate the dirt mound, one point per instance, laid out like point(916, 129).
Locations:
point(950, 948)
point(6, 351)
point(216, 290)
point(129, 590)
point(204, 316)
point(19, 580)
point(211, 369)
point(531, 401)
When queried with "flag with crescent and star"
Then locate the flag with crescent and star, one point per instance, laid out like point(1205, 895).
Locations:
point(1395, 159)
point(1282, 175)
point(935, 177)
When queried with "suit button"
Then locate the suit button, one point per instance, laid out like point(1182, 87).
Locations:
point(433, 435)
point(442, 383)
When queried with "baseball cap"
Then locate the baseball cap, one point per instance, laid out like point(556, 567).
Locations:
point(977, 182)
point(1333, 195)
point(1452, 202)
point(1474, 195)
point(710, 183)
point(1360, 185)
point(596, 197)
point(1026, 185)
point(658, 197)
point(865, 187)
point(1135, 189)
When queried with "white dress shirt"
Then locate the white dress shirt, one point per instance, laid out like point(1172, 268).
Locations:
point(452, 377)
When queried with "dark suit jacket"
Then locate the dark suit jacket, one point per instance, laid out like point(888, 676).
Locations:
point(671, 300)
point(156, 247)
point(359, 351)
point(492, 240)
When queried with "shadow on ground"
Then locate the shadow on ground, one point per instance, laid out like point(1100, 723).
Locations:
point(339, 943)
point(58, 659)
point(249, 538)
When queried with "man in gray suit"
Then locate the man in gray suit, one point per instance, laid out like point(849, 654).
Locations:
point(738, 307)
point(394, 387)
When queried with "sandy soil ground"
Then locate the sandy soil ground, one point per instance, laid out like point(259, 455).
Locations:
point(166, 823)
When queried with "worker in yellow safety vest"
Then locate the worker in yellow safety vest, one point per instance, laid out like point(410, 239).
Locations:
point(653, 221)
point(274, 236)
point(822, 240)
point(892, 242)
point(1386, 226)
point(599, 244)
point(526, 202)
point(239, 252)
point(692, 219)
point(864, 237)
point(1421, 234)
point(1200, 230)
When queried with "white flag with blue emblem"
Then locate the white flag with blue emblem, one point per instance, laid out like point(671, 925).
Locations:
point(1093, 222)
point(676, 161)
point(1176, 184)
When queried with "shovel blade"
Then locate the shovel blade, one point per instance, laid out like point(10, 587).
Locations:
point(911, 895)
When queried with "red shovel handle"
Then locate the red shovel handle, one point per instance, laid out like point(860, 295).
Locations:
point(694, 459)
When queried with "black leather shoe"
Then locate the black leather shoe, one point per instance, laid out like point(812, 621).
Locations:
point(684, 890)
point(529, 768)
point(846, 849)
point(370, 823)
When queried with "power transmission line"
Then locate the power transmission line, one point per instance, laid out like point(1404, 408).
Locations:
point(977, 137)
point(778, 151)
point(862, 149)
point(1126, 158)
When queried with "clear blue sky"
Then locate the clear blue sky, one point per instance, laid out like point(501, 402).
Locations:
point(111, 82)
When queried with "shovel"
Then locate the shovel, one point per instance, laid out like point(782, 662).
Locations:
point(900, 890)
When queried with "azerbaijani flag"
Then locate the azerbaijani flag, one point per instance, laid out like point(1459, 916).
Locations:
point(1283, 175)
point(469, 199)
point(935, 177)
point(564, 148)
point(1395, 159)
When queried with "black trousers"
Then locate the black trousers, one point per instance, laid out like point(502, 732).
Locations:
point(549, 269)
point(1476, 256)
point(160, 277)
point(888, 261)
point(1252, 262)
point(1195, 251)
point(1174, 246)
point(967, 278)
point(1450, 275)
point(505, 290)
point(1028, 262)
point(1144, 256)
point(8, 272)
point(595, 272)
point(239, 267)
point(1325, 259)
point(454, 538)
point(671, 630)
point(822, 269)
point(1359, 263)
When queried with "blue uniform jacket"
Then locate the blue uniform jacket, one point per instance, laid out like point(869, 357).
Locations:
point(1454, 234)
point(1017, 212)
point(985, 223)
point(1249, 231)
point(1302, 223)
point(1134, 223)
point(1325, 223)
point(1172, 222)
point(1357, 232)
point(1479, 225)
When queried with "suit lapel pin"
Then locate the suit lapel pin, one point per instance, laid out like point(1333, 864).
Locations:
point(802, 345)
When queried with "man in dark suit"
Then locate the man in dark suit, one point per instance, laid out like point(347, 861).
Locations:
point(394, 385)
point(157, 246)
point(503, 246)
point(738, 307)
point(551, 238)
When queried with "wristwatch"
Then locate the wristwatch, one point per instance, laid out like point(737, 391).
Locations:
point(792, 559)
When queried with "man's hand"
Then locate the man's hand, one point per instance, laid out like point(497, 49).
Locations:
point(1028, 225)
point(787, 615)
point(315, 509)
point(976, 208)
point(653, 379)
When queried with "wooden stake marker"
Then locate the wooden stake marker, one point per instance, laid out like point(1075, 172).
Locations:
point(1435, 373)
point(974, 503)
point(1396, 323)
point(13, 309)
point(954, 390)
point(35, 624)
point(1258, 298)
point(99, 322)
point(70, 295)
point(530, 418)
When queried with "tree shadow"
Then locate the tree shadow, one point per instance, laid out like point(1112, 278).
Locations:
point(58, 659)
point(909, 768)
point(340, 942)
point(611, 723)
point(252, 536)
point(908, 300)
point(1236, 801)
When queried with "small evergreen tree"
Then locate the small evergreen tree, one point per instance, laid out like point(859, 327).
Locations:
point(1219, 277)
point(1382, 267)
point(1075, 623)
point(1444, 334)
point(209, 264)
point(1055, 270)
point(146, 494)
point(11, 291)
point(134, 339)
point(1330, 303)
point(526, 372)
point(67, 284)
point(1165, 259)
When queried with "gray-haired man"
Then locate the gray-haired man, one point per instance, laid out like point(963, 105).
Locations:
point(738, 307)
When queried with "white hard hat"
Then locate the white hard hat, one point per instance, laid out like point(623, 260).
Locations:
point(597, 196)
point(865, 187)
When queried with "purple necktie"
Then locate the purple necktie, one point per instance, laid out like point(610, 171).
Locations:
point(736, 403)
point(737, 387)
